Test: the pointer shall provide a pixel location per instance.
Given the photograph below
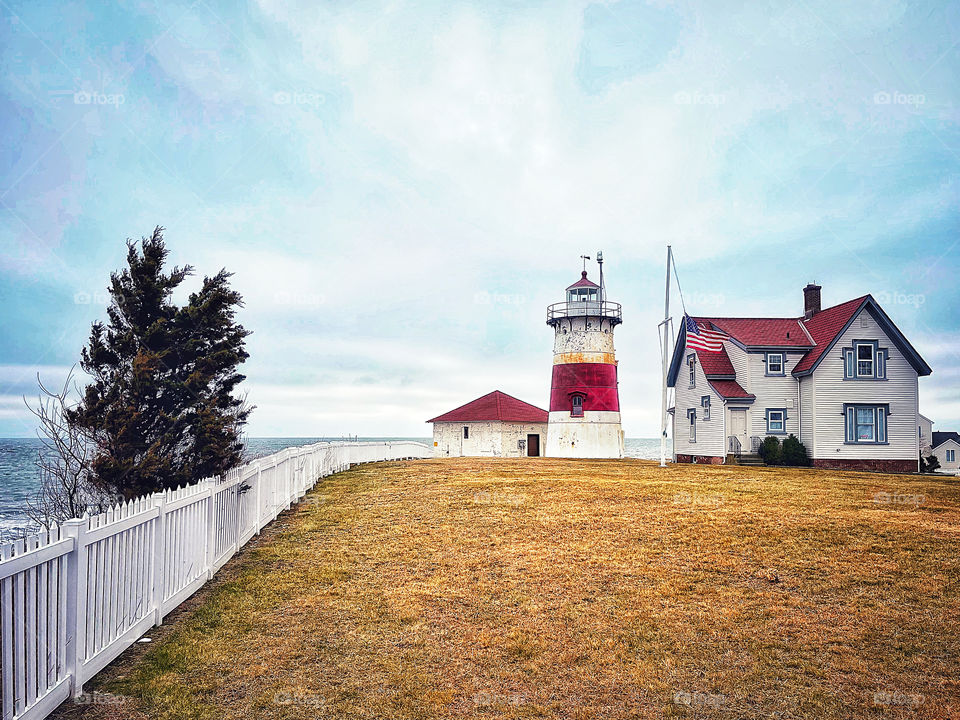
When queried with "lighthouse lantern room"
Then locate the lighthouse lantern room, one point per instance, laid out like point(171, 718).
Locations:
point(584, 419)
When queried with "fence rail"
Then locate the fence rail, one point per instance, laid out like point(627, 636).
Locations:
point(74, 597)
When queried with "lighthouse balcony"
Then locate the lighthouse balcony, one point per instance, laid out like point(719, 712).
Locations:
point(609, 311)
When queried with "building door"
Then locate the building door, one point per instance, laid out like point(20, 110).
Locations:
point(738, 428)
point(533, 446)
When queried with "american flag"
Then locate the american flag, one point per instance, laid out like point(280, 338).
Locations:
point(700, 338)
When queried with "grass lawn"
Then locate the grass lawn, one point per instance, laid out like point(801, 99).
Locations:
point(573, 589)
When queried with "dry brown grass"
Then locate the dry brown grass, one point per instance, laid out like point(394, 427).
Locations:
point(577, 589)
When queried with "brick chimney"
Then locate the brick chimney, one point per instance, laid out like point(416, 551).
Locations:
point(811, 300)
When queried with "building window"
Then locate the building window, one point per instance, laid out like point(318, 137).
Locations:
point(951, 456)
point(866, 424)
point(692, 364)
point(865, 361)
point(576, 406)
point(774, 363)
point(466, 433)
point(705, 404)
point(777, 421)
point(692, 414)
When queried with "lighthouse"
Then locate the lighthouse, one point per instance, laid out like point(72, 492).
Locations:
point(584, 419)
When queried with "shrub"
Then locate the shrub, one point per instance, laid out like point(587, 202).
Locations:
point(770, 450)
point(795, 452)
point(931, 464)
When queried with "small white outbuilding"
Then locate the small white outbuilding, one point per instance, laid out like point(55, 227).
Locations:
point(495, 425)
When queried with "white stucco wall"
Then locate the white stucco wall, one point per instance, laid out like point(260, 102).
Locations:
point(486, 439)
point(583, 335)
point(595, 435)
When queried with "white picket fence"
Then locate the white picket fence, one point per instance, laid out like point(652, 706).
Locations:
point(73, 598)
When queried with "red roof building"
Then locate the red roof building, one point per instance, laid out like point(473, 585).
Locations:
point(494, 406)
point(859, 413)
point(494, 425)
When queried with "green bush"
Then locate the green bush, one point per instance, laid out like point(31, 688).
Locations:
point(770, 450)
point(794, 452)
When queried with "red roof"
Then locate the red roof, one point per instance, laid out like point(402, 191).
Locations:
point(715, 363)
point(494, 406)
point(824, 327)
point(778, 332)
point(730, 389)
point(814, 336)
point(583, 282)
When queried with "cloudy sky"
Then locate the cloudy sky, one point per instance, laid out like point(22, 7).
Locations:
point(401, 188)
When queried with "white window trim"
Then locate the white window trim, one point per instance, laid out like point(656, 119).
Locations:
point(872, 361)
point(770, 421)
point(782, 360)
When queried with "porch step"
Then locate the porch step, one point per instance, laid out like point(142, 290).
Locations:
point(745, 459)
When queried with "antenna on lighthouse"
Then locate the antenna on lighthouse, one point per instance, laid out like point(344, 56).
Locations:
point(585, 258)
point(600, 262)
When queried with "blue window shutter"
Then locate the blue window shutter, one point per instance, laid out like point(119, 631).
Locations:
point(848, 363)
point(851, 427)
point(881, 424)
point(881, 363)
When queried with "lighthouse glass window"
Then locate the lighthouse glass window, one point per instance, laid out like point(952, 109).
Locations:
point(576, 407)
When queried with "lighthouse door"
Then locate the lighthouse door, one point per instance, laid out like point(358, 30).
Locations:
point(533, 446)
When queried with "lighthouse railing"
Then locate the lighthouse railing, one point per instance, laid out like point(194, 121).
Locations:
point(605, 309)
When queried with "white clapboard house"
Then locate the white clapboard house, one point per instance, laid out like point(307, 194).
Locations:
point(843, 379)
point(946, 447)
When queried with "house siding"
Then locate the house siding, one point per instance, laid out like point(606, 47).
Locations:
point(492, 438)
point(831, 391)
point(941, 453)
point(710, 433)
point(773, 392)
point(738, 358)
point(808, 416)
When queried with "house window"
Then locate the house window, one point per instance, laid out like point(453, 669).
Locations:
point(576, 406)
point(774, 363)
point(951, 456)
point(866, 424)
point(865, 361)
point(692, 364)
point(692, 414)
point(466, 433)
point(776, 421)
point(705, 404)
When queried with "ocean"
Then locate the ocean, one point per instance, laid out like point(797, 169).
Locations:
point(19, 478)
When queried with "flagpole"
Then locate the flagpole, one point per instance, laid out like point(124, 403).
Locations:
point(666, 350)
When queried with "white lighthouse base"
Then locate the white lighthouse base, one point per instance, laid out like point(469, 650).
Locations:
point(595, 435)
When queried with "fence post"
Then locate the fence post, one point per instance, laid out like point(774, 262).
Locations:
point(211, 530)
point(238, 500)
point(159, 543)
point(76, 590)
point(257, 521)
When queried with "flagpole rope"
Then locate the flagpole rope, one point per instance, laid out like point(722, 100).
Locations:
point(679, 289)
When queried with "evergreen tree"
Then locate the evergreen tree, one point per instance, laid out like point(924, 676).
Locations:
point(160, 407)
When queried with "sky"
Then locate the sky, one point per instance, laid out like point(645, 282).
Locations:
point(402, 188)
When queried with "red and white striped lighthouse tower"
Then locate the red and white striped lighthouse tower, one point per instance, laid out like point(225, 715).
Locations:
point(584, 418)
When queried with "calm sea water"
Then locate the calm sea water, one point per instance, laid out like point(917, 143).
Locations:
point(19, 478)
